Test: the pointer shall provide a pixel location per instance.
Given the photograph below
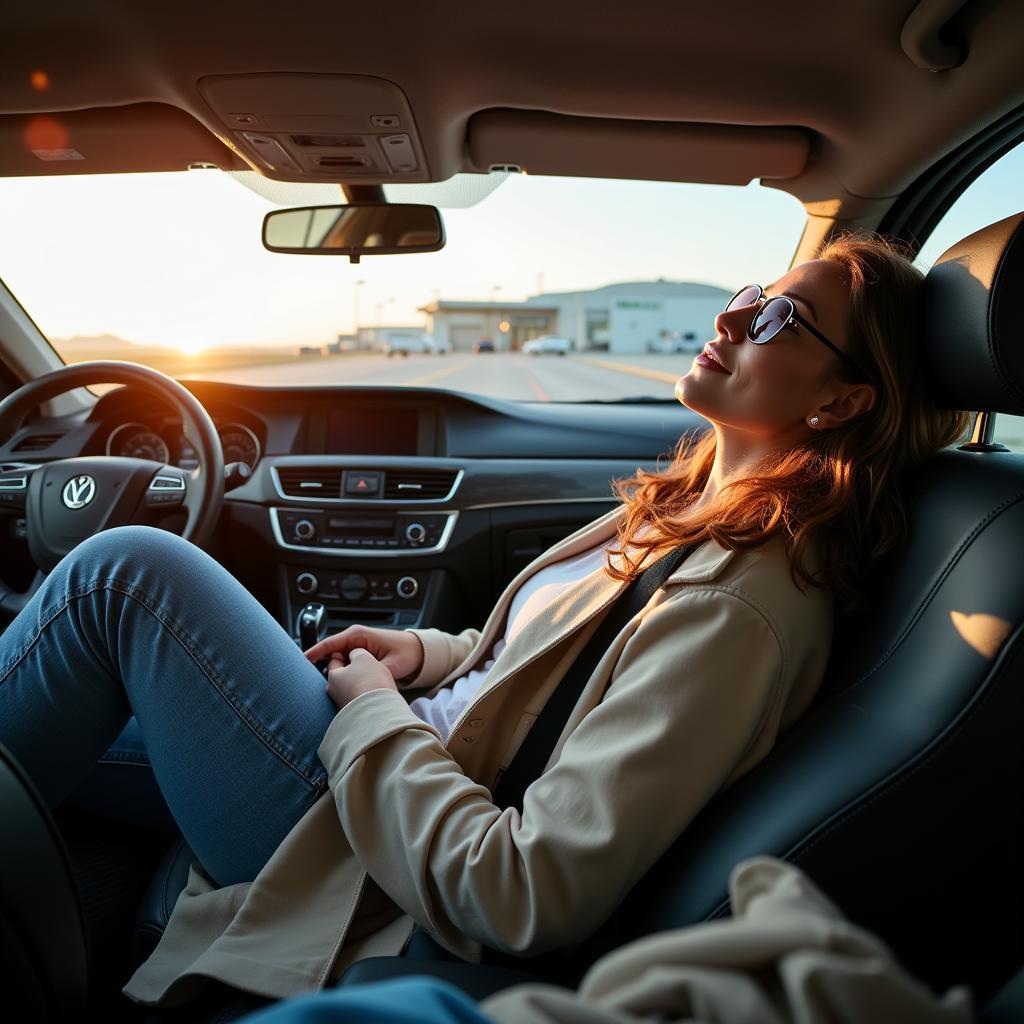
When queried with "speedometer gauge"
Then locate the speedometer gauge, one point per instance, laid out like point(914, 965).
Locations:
point(239, 444)
point(137, 441)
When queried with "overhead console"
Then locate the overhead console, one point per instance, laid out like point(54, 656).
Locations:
point(351, 128)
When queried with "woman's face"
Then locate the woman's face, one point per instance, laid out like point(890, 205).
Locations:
point(771, 391)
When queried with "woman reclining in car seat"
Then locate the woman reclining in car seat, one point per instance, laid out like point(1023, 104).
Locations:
point(327, 819)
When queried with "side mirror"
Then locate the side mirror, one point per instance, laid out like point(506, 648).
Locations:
point(354, 230)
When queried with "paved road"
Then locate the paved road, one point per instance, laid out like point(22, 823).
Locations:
point(499, 375)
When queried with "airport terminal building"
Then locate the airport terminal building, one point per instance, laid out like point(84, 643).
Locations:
point(636, 316)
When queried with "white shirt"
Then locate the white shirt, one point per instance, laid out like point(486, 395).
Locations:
point(540, 590)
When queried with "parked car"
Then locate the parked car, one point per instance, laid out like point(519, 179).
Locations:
point(483, 345)
point(547, 343)
point(404, 344)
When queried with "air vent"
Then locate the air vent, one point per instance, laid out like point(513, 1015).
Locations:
point(37, 442)
point(310, 481)
point(418, 484)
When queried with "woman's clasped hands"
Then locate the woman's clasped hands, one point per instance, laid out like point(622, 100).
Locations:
point(363, 658)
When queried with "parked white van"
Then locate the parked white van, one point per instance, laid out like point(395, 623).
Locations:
point(547, 343)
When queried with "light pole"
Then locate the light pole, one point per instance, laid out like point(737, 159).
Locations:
point(380, 306)
point(492, 315)
point(355, 310)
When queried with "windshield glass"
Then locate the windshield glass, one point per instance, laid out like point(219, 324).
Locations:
point(549, 289)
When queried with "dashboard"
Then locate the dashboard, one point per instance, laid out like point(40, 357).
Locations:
point(387, 506)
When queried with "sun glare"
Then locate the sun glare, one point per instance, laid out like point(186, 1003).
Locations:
point(191, 348)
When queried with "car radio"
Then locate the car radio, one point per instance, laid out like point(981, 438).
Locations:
point(342, 531)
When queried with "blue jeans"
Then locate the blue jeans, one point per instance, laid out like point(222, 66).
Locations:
point(399, 1001)
point(136, 621)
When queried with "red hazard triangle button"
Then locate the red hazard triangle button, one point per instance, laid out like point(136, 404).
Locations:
point(365, 484)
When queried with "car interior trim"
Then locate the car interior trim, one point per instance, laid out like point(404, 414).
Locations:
point(602, 499)
point(918, 210)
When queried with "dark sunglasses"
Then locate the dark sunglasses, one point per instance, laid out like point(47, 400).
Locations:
point(775, 314)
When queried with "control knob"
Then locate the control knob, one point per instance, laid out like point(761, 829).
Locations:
point(306, 583)
point(407, 587)
point(305, 530)
point(415, 533)
point(353, 586)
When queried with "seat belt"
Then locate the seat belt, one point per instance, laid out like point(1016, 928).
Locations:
point(536, 748)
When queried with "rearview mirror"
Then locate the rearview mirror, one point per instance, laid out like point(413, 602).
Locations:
point(354, 230)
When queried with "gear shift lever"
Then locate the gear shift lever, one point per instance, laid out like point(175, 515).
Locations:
point(311, 620)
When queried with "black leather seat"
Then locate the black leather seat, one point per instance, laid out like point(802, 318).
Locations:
point(900, 792)
point(44, 956)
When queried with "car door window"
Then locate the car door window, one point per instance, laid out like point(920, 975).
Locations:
point(995, 194)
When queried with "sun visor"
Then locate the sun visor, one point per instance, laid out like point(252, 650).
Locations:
point(109, 140)
point(592, 147)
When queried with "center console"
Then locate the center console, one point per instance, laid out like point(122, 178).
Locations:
point(367, 591)
point(351, 538)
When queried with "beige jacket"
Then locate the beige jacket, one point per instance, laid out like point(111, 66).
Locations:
point(689, 697)
point(786, 955)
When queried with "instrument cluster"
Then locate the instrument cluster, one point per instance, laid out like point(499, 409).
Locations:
point(164, 442)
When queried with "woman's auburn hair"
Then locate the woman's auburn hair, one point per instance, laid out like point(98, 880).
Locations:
point(839, 494)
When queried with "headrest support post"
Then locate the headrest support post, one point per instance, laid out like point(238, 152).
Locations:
point(982, 435)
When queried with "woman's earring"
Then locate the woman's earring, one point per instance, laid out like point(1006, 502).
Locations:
point(814, 421)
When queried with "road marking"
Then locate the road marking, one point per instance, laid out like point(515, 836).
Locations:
point(429, 378)
point(536, 388)
point(636, 371)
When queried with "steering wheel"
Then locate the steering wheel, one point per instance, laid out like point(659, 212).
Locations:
point(67, 500)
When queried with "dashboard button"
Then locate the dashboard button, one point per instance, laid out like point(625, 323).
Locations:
point(415, 533)
point(407, 587)
point(358, 484)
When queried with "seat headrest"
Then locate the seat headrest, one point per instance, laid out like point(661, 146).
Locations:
point(974, 340)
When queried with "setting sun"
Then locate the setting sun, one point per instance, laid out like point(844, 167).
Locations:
point(192, 348)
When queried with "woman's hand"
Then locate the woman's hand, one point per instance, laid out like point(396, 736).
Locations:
point(363, 672)
point(400, 652)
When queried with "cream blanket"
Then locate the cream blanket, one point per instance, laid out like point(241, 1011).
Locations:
point(787, 955)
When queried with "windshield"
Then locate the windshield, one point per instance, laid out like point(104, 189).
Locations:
point(549, 289)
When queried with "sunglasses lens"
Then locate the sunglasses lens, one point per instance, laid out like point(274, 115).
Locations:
point(744, 297)
point(770, 319)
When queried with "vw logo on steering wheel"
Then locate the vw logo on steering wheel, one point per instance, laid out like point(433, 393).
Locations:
point(79, 491)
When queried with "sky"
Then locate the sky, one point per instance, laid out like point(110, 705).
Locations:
point(176, 258)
